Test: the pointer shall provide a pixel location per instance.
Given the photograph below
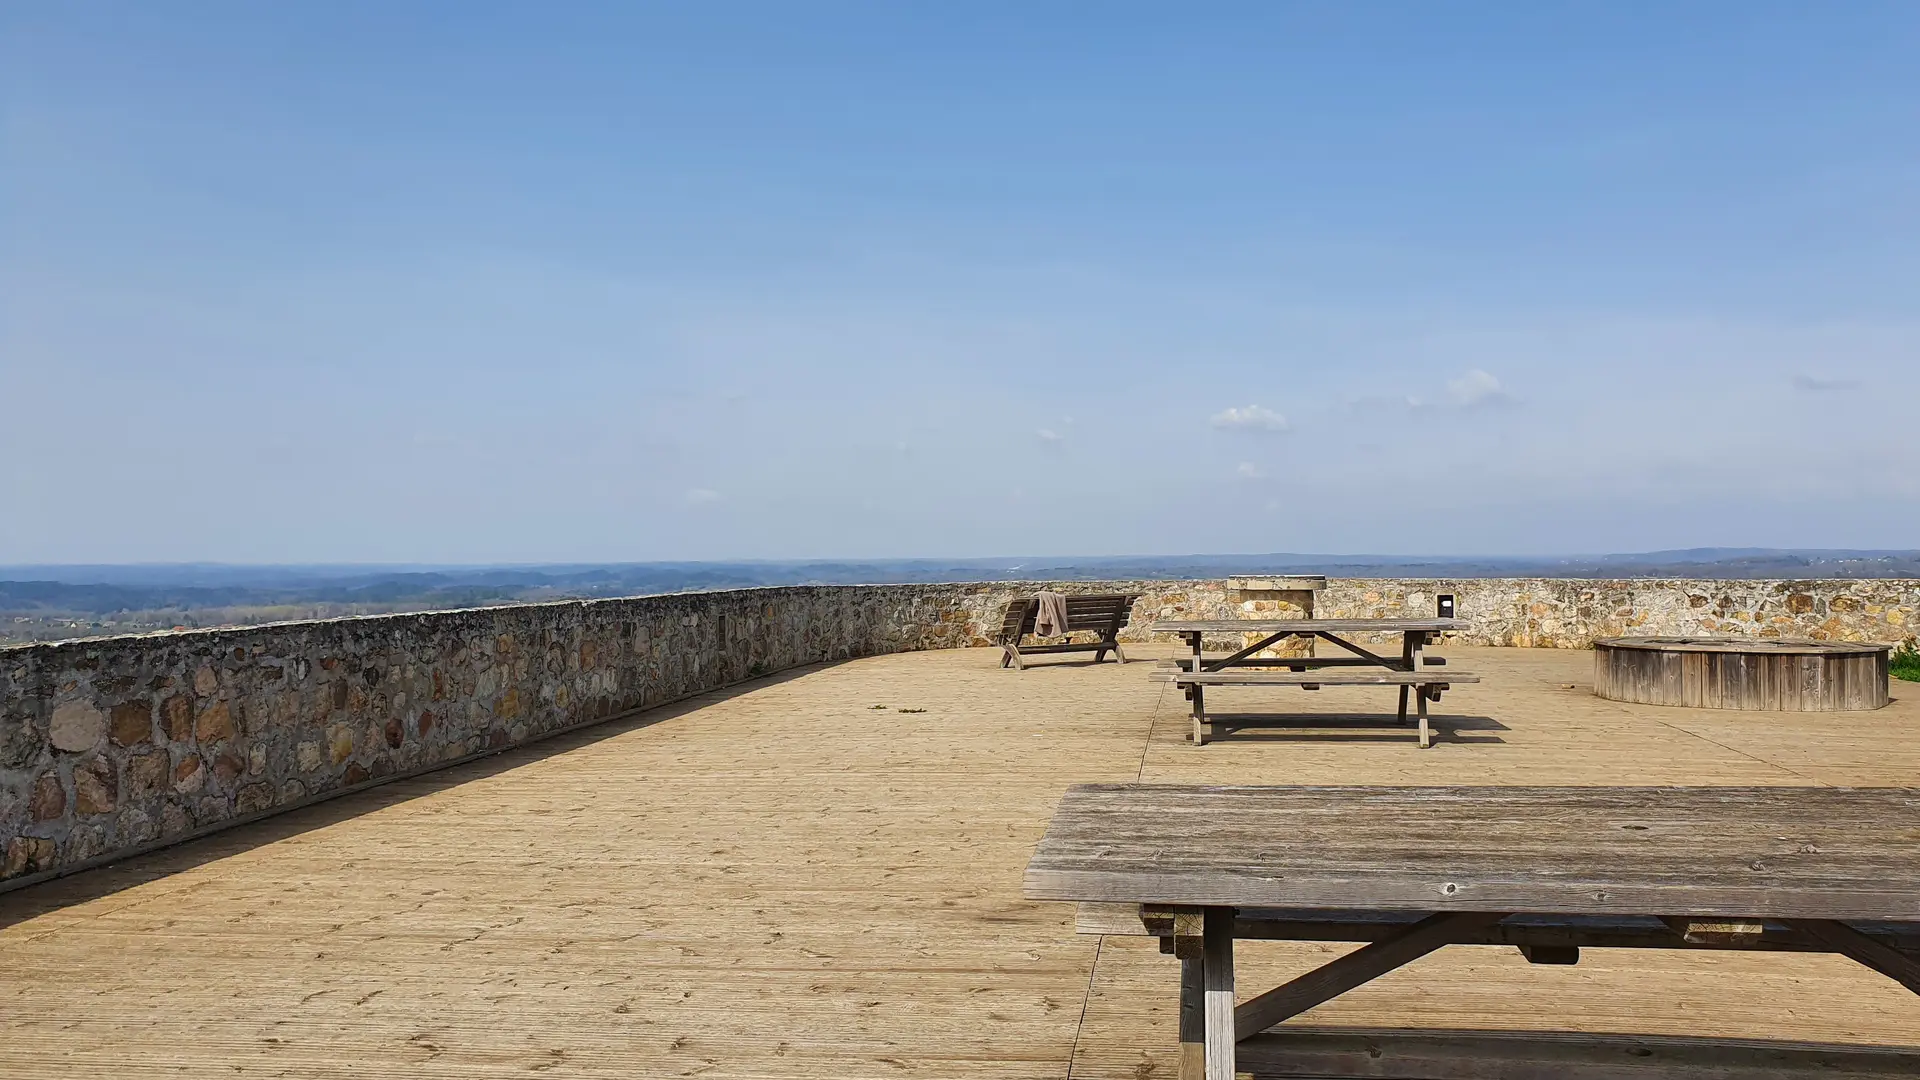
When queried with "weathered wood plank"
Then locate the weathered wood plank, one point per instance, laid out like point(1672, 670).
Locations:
point(1773, 852)
point(1218, 1003)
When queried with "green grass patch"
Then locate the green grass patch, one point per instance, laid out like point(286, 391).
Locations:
point(1905, 663)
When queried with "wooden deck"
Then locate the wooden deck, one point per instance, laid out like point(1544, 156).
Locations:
point(780, 881)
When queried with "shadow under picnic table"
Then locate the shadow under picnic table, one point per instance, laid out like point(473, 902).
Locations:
point(1439, 1054)
point(1350, 727)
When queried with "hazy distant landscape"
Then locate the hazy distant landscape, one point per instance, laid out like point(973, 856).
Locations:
point(52, 602)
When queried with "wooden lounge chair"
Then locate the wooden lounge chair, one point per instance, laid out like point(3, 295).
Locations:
point(1102, 615)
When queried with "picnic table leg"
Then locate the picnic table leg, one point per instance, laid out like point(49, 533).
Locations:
point(1218, 974)
point(1406, 661)
point(1193, 1024)
point(1415, 662)
point(1197, 694)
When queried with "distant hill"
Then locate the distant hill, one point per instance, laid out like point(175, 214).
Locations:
point(149, 596)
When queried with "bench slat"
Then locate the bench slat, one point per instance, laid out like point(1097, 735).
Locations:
point(1373, 677)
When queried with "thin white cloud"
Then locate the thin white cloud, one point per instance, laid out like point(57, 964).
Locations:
point(1477, 388)
point(1380, 402)
point(1816, 385)
point(1249, 418)
point(1050, 437)
point(1250, 471)
point(702, 496)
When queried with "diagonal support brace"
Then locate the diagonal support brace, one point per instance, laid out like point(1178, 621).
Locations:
point(1360, 966)
point(1864, 948)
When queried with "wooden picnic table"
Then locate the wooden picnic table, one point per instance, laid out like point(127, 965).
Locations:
point(1549, 871)
point(1357, 666)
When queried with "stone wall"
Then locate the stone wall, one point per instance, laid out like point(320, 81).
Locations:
point(1570, 614)
point(111, 746)
point(1549, 613)
point(114, 745)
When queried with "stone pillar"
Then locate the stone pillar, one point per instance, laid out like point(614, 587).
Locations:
point(1276, 598)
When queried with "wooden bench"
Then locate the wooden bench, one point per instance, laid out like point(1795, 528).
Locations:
point(1547, 871)
point(1102, 614)
point(1425, 685)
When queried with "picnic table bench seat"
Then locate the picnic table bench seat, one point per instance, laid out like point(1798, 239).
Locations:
point(1101, 614)
point(1424, 686)
point(1294, 663)
point(1439, 680)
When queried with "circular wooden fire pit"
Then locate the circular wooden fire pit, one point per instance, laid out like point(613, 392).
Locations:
point(1738, 673)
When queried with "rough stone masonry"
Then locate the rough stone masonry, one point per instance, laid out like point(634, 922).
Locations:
point(111, 746)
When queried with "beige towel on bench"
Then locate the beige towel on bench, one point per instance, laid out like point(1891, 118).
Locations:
point(1051, 619)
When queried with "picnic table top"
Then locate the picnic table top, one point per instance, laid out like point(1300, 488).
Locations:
point(1819, 853)
point(1332, 626)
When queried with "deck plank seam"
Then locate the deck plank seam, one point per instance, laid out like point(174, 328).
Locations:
point(1153, 725)
point(1093, 973)
point(1672, 725)
point(1675, 726)
point(1100, 943)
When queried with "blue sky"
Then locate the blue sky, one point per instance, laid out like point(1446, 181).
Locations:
point(476, 283)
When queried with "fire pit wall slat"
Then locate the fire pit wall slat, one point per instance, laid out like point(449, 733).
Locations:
point(1732, 673)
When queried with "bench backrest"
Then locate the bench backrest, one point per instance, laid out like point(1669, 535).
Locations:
point(1101, 613)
